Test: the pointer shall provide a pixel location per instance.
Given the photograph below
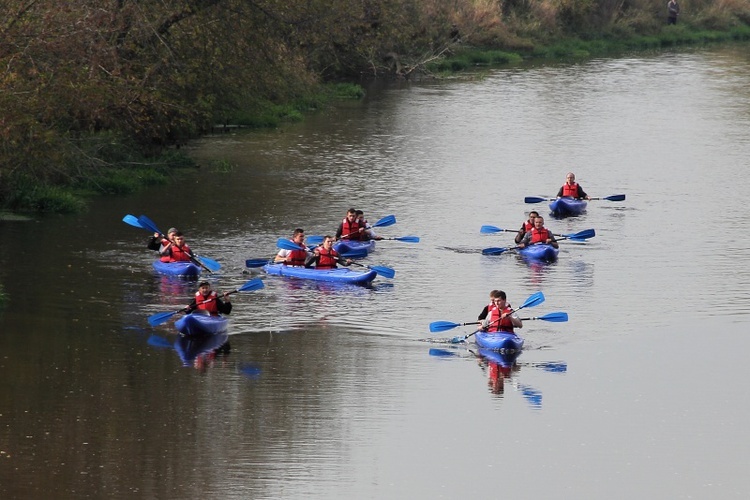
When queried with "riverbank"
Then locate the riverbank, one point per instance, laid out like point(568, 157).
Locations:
point(106, 125)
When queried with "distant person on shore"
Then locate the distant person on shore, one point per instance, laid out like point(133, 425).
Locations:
point(673, 10)
point(571, 189)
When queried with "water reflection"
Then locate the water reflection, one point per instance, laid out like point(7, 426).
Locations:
point(503, 369)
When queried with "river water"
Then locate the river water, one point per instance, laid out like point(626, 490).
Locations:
point(342, 392)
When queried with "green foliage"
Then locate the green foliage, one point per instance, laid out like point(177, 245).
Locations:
point(93, 93)
point(44, 198)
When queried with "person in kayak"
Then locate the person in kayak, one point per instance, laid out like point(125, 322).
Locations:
point(526, 226)
point(571, 189)
point(325, 257)
point(294, 257)
point(350, 228)
point(499, 315)
point(157, 242)
point(369, 234)
point(539, 234)
point(207, 300)
point(176, 250)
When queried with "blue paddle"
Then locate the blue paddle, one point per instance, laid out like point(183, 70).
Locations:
point(386, 272)
point(579, 236)
point(388, 220)
point(162, 317)
point(441, 326)
point(316, 240)
point(533, 300)
point(209, 265)
point(133, 221)
point(257, 262)
point(537, 199)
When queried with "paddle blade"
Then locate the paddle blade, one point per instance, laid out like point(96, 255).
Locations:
point(534, 199)
point(132, 220)
point(314, 240)
point(494, 251)
point(554, 317)
point(533, 300)
point(388, 220)
point(581, 235)
point(148, 224)
point(442, 353)
point(159, 318)
point(253, 284)
point(441, 326)
point(256, 262)
point(211, 264)
point(288, 244)
point(405, 239)
point(490, 229)
point(386, 272)
point(615, 197)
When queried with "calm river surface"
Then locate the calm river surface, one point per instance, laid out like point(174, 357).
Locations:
point(342, 392)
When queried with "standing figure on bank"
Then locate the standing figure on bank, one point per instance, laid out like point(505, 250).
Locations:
point(673, 10)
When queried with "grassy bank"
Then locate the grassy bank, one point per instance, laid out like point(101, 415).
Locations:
point(467, 57)
point(103, 164)
point(97, 96)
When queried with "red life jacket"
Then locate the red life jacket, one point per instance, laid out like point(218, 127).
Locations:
point(298, 257)
point(207, 303)
point(350, 230)
point(539, 235)
point(528, 226)
point(327, 259)
point(164, 242)
point(569, 190)
point(179, 254)
point(496, 324)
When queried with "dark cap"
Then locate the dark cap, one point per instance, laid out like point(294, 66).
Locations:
point(204, 283)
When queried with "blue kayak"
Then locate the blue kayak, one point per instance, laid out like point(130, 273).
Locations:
point(563, 207)
point(499, 340)
point(338, 275)
point(177, 268)
point(354, 248)
point(198, 324)
point(540, 252)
